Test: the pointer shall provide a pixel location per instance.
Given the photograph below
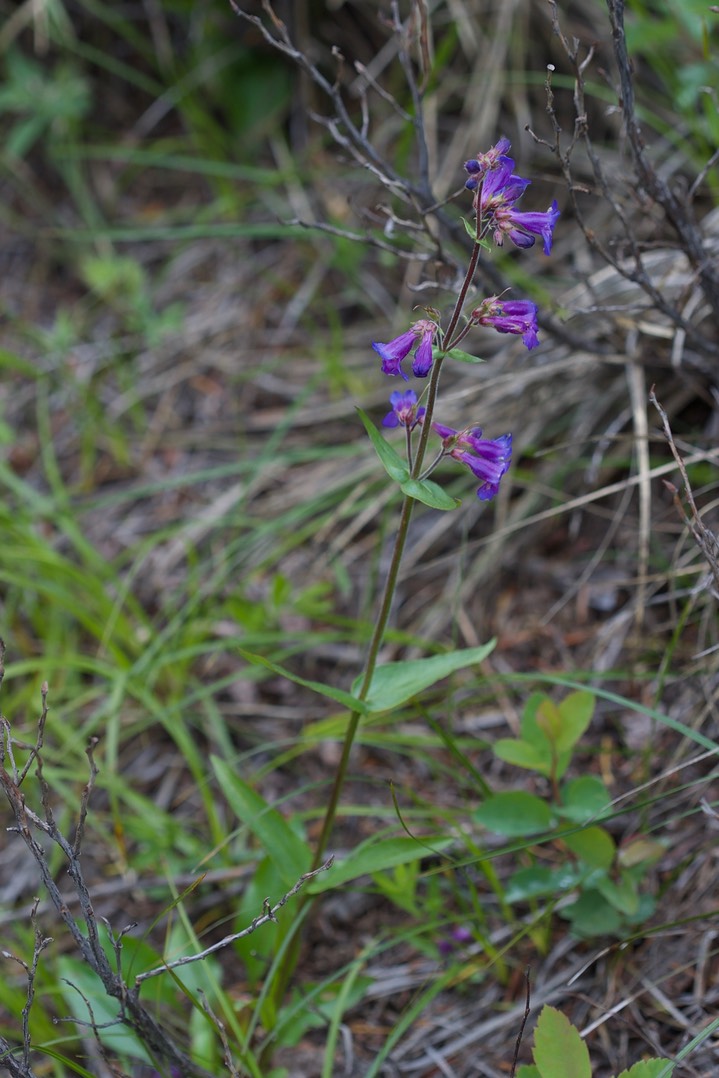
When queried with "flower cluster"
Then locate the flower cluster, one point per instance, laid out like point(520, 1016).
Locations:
point(405, 412)
point(487, 459)
point(420, 337)
point(496, 191)
point(509, 316)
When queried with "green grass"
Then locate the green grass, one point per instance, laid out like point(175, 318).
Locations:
point(126, 148)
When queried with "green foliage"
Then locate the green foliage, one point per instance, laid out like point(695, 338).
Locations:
point(560, 1052)
point(43, 103)
point(609, 883)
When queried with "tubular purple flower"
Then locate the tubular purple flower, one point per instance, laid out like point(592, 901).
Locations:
point(405, 412)
point(487, 459)
point(420, 337)
point(485, 162)
point(536, 224)
point(395, 351)
point(509, 316)
point(500, 190)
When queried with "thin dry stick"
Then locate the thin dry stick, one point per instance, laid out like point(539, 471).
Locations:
point(522, 1027)
point(705, 539)
point(158, 1042)
point(268, 914)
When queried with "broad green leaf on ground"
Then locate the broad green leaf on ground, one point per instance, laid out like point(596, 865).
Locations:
point(521, 753)
point(391, 461)
point(290, 855)
point(593, 845)
point(559, 1051)
point(395, 683)
point(584, 799)
point(623, 894)
point(591, 915)
point(641, 850)
point(576, 712)
point(429, 493)
point(538, 881)
point(375, 856)
point(514, 814)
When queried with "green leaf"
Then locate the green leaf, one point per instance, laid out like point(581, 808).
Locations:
point(521, 753)
point(648, 1068)
point(470, 228)
point(352, 703)
point(591, 915)
point(395, 683)
point(576, 712)
point(549, 720)
point(375, 856)
point(593, 845)
point(641, 850)
point(559, 1051)
point(429, 493)
point(584, 799)
point(289, 854)
point(391, 461)
point(515, 814)
point(464, 357)
point(525, 1071)
point(623, 895)
point(540, 882)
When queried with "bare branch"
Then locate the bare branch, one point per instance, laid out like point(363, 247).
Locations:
point(678, 211)
point(705, 539)
point(268, 914)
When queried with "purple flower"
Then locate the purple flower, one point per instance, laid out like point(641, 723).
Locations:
point(405, 412)
point(500, 190)
point(487, 459)
point(509, 316)
point(484, 162)
point(420, 337)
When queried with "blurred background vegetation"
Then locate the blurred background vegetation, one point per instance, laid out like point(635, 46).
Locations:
point(185, 482)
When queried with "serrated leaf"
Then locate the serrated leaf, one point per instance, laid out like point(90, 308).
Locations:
point(559, 1051)
point(429, 493)
point(395, 683)
point(514, 813)
point(593, 845)
point(390, 460)
point(375, 856)
point(289, 854)
point(649, 1068)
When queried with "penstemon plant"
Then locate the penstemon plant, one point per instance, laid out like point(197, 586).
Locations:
point(496, 190)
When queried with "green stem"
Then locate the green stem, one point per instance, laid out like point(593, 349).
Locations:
point(291, 957)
